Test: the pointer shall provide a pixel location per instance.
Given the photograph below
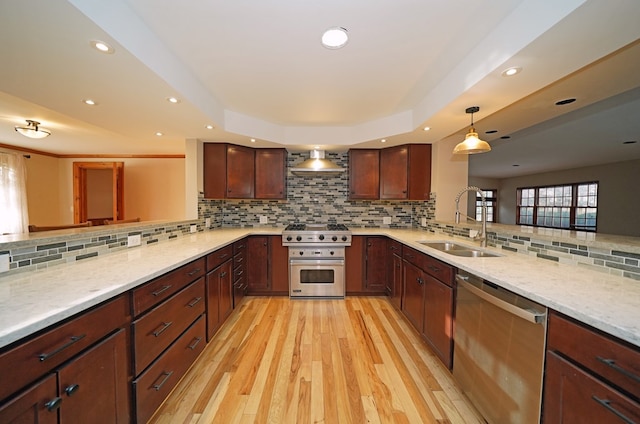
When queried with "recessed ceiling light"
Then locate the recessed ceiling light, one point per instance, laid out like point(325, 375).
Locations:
point(383, 141)
point(209, 127)
point(565, 102)
point(102, 47)
point(426, 128)
point(253, 140)
point(159, 134)
point(335, 38)
point(491, 132)
point(629, 142)
point(173, 100)
point(89, 102)
point(509, 72)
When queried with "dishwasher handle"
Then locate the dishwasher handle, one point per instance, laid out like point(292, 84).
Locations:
point(533, 317)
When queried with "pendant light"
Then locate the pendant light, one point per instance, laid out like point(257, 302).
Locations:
point(33, 130)
point(471, 144)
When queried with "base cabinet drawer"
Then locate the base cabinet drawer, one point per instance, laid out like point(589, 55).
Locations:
point(155, 384)
point(156, 330)
point(578, 397)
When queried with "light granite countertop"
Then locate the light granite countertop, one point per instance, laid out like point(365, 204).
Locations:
point(32, 301)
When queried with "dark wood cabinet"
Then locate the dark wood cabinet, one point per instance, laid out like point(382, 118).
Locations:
point(240, 172)
point(394, 280)
point(215, 170)
point(589, 376)
point(68, 367)
point(405, 172)
point(270, 173)
point(279, 260)
point(376, 274)
point(438, 318)
point(413, 294)
point(354, 266)
point(219, 296)
point(239, 271)
point(364, 174)
point(267, 266)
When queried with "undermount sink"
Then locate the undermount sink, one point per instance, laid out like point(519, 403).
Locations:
point(458, 249)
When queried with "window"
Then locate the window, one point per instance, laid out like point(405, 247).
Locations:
point(573, 206)
point(491, 197)
point(13, 194)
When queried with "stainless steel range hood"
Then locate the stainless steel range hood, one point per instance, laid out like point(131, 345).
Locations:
point(317, 164)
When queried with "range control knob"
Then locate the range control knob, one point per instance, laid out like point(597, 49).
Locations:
point(299, 238)
point(331, 253)
point(321, 237)
point(344, 238)
point(334, 238)
point(301, 253)
point(289, 238)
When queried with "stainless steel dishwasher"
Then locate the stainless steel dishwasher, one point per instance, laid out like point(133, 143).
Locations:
point(498, 355)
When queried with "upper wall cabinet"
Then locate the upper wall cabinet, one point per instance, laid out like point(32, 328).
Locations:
point(405, 172)
point(395, 173)
point(364, 174)
point(237, 172)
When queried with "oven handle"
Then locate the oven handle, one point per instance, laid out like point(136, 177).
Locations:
point(326, 262)
point(535, 318)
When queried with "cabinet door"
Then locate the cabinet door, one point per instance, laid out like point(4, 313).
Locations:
point(573, 396)
point(240, 172)
point(393, 172)
point(279, 266)
point(215, 170)
point(376, 264)
point(354, 265)
point(413, 294)
point(38, 405)
point(364, 174)
point(95, 385)
point(271, 166)
point(438, 318)
point(396, 281)
point(419, 172)
point(225, 293)
point(258, 264)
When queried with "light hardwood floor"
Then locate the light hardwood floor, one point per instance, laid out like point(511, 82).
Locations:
point(355, 360)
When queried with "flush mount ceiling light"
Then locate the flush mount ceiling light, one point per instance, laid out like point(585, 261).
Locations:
point(509, 72)
point(33, 130)
point(471, 144)
point(335, 38)
point(89, 102)
point(102, 47)
point(173, 100)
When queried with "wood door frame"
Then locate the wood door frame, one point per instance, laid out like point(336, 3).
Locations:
point(80, 188)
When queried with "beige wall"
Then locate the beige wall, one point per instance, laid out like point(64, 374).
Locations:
point(618, 200)
point(448, 176)
point(154, 188)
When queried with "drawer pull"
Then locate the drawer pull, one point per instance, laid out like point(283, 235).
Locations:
point(72, 389)
point(194, 302)
point(44, 356)
point(420, 281)
point(612, 364)
point(164, 376)
point(224, 255)
point(162, 290)
point(53, 404)
point(239, 273)
point(223, 274)
point(164, 326)
point(433, 268)
point(195, 343)
point(194, 272)
point(607, 404)
point(240, 259)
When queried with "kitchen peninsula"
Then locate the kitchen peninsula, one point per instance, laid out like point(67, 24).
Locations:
point(33, 301)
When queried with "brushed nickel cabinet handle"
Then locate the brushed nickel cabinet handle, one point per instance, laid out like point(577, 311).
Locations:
point(164, 376)
point(194, 272)
point(53, 404)
point(195, 343)
point(607, 404)
point(194, 302)
point(162, 290)
point(611, 363)
point(74, 339)
point(71, 389)
point(163, 327)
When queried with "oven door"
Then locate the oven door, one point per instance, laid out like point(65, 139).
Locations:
point(316, 278)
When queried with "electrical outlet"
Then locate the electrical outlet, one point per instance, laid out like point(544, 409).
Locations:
point(423, 221)
point(193, 228)
point(4, 263)
point(473, 233)
point(263, 219)
point(134, 240)
point(386, 220)
point(207, 222)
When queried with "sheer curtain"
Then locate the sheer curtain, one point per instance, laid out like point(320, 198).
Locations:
point(14, 217)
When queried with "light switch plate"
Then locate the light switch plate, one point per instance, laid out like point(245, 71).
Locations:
point(386, 220)
point(134, 240)
point(207, 222)
point(4, 263)
point(423, 221)
point(263, 219)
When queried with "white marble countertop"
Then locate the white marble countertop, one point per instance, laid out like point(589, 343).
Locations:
point(32, 301)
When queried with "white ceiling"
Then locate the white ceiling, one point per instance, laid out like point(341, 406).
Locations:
point(258, 70)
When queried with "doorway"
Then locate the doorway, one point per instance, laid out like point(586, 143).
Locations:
point(98, 189)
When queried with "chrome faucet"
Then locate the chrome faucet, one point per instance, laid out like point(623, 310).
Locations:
point(482, 236)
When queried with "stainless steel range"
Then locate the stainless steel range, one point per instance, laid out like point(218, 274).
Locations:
point(316, 259)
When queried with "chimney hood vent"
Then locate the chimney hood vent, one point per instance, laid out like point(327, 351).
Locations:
point(317, 164)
